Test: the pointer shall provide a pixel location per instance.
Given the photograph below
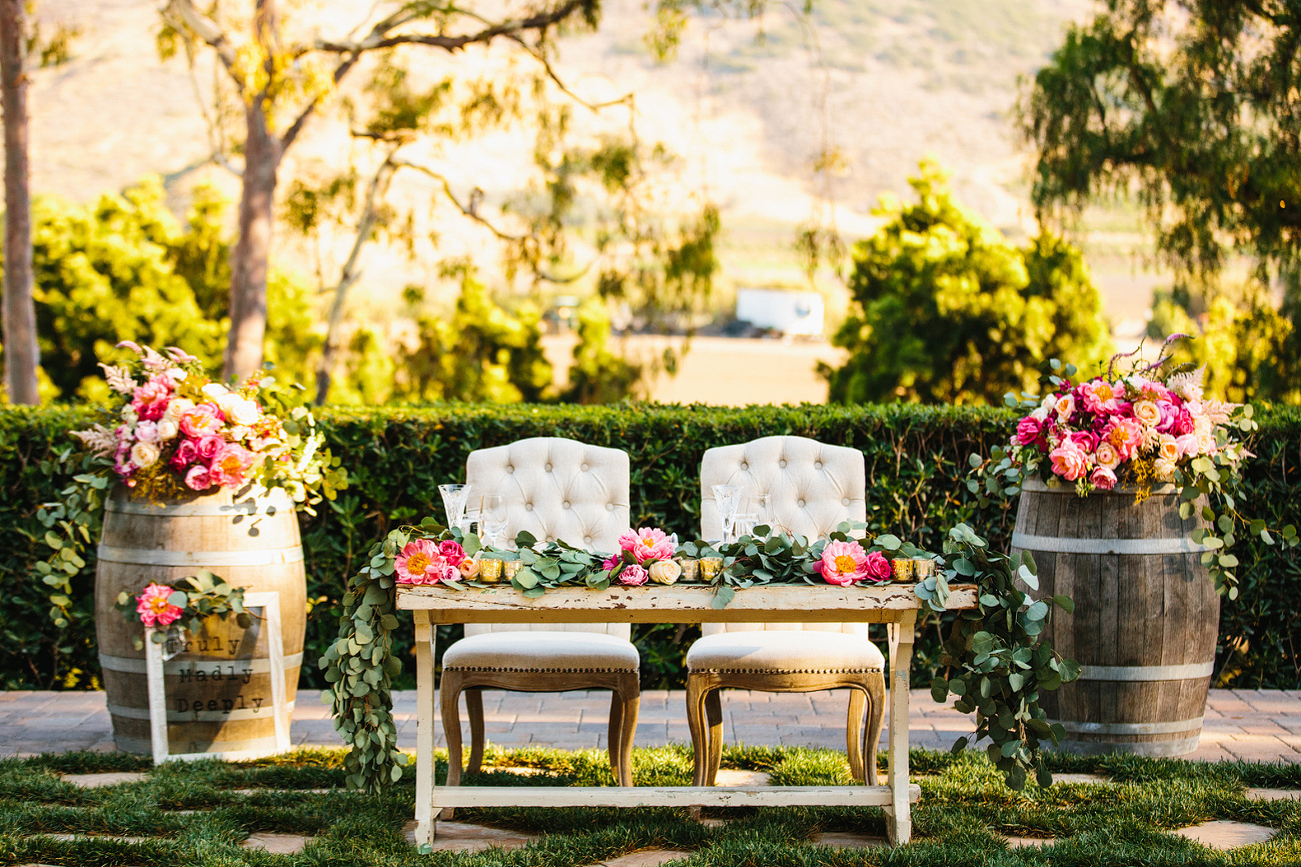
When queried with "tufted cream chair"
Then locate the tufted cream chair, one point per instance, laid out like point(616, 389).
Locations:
point(556, 489)
point(813, 487)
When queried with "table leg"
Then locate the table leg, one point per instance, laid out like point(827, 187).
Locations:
point(426, 817)
point(899, 813)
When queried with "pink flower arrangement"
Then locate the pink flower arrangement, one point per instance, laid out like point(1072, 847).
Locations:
point(843, 563)
point(153, 607)
point(633, 575)
point(177, 430)
point(648, 543)
point(1127, 429)
point(427, 562)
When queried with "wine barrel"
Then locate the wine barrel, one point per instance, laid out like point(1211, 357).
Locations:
point(218, 686)
point(1145, 622)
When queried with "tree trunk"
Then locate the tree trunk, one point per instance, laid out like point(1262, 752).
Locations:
point(22, 354)
point(248, 279)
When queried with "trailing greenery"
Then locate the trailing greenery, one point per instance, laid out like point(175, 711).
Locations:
point(396, 457)
point(963, 814)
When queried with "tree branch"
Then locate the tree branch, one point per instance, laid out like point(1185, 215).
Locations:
point(378, 37)
point(183, 12)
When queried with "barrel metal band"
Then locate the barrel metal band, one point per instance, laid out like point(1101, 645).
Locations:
point(201, 559)
point(264, 712)
point(261, 506)
point(1152, 728)
point(1144, 673)
point(258, 665)
point(1059, 545)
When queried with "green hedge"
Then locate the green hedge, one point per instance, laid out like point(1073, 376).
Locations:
point(916, 465)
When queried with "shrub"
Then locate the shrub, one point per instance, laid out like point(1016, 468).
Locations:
point(916, 465)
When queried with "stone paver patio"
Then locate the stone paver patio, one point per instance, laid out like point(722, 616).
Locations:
point(1255, 725)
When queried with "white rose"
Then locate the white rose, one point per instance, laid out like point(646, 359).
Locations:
point(215, 390)
point(1164, 468)
point(175, 374)
point(243, 411)
point(177, 407)
point(665, 571)
point(144, 454)
point(167, 430)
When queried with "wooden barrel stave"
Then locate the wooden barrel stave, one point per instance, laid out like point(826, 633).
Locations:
point(1137, 615)
point(227, 536)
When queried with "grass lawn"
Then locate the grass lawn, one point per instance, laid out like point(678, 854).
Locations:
point(964, 810)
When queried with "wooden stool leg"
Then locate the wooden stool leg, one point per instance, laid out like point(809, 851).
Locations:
point(629, 695)
point(449, 695)
point(854, 733)
point(474, 710)
point(695, 723)
point(714, 719)
point(875, 719)
point(613, 734)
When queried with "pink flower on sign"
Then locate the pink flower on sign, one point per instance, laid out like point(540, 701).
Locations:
point(843, 563)
point(633, 575)
point(877, 567)
point(1103, 478)
point(1069, 460)
point(197, 478)
point(153, 607)
point(452, 552)
point(648, 543)
point(204, 419)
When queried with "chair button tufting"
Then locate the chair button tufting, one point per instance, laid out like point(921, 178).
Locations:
point(781, 463)
point(817, 465)
point(845, 502)
point(509, 468)
point(587, 540)
point(745, 466)
point(547, 468)
point(800, 504)
point(528, 507)
point(584, 467)
point(565, 504)
point(609, 507)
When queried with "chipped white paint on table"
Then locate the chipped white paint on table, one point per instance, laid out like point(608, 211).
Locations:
point(893, 604)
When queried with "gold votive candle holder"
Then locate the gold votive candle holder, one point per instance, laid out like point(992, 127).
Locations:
point(710, 567)
point(923, 569)
point(903, 570)
point(690, 570)
point(490, 571)
point(511, 567)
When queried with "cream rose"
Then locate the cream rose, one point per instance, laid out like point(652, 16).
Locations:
point(1147, 412)
point(1106, 455)
point(1164, 469)
point(1168, 449)
point(665, 571)
point(144, 454)
point(215, 390)
point(1065, 406)
point(167, 430)
point(177, 407)
point(242, 411)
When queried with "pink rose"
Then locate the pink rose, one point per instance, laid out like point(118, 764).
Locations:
point(229, 465)
point(204, 419)
point(1065, 407)
point(1169, 415)
point(1069, 460)
point(1186, 445)
point(843, 563)
point(153, 607)
point(1126, 434)
point(633, 575)
point(186, 454)
point(1184, 423)
point(197, 478)
point(877, 568)
point(1029, 431)
point(647, 543)
point(452, 552)
point(209, 446)
point(150, 400)
point(1103, 478)
point(1085, 440)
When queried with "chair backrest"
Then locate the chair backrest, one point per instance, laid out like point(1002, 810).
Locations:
point(556, 488)
point(812, 487)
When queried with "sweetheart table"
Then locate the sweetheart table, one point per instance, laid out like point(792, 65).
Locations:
point(893, 604)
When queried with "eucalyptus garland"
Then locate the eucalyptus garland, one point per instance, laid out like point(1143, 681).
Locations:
point(998, 665)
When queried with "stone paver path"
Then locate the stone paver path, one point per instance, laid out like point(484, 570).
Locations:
point(1255, 725)
point(1224, 834)
point(648, 858)
point(276, 844)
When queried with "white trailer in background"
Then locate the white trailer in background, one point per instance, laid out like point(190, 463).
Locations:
point(792, 314)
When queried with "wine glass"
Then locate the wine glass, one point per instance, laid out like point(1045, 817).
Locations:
point(727, 498)
point(755, 511)
point(492, 519)
point(454, 497)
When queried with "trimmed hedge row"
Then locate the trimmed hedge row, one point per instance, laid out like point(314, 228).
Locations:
point(916, 468)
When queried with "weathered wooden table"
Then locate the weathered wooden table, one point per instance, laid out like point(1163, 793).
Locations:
point(893, 604)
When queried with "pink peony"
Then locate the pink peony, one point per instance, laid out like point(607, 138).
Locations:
point(198, 478)
point(843, 563)
point(1099, 396)
point(877, 568)
point(1103, 478)
point(229, 465)
point(648, 543)
point(1126, 434)
point(1169, 415)
point(150, 400)
point(421, 562)
point(186, 454)
point(204, 419)
point(209, 446)
point(153, 607)
point(452, 552)
point(1069, 460)
point(633, 575)
point(1085, 440)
